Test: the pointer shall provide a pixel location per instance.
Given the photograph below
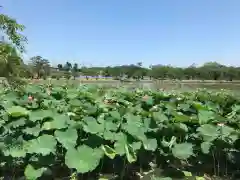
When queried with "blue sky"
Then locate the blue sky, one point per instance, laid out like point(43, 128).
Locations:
point(113, 32)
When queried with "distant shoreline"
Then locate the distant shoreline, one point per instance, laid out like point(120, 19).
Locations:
point(101, 80)
point(150, 81)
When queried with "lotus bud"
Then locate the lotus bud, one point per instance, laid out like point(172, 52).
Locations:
point(30, 98)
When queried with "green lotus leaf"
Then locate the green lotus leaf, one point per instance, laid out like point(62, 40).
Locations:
point(187, 173)
point(88, 118)
point(33, 89)
point(33, 174)
point(83, 159)
point(110, 152)
point(109, 125)
point(44, 145)
point(15, 150)
point(115, 114)
point(226, 131)
point(92, 126)
point(67, 138)
point(180, 117)
point(41, 114)
point(150, 144)
point(182, 151)
point(130, 153)
point(184, 107)
point(159, 117)
point(200, 178)
point(205, 147)
point(135, 127)
point(170, 143)
point(208, 132)
point(136, 145)
point(89, 108)
point(108, 135)
point(181, 126)
point(59, 122)
point(199, 106)
point(205, 116)
point(17, 111)
point(33, 131)
point(119, 145)
point(72, 96)
point(16, 123)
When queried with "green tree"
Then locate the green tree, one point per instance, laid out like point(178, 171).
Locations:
point(67, 66)
point(75, 70)
point(67, 70)
point(11, 29)
point(60, 67)
point(11, 47)
point(40, 66)
point(209, 71)
point(46, 67)
point(10, 61)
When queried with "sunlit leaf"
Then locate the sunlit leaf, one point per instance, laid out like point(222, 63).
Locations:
point(205, 146)
point(150, 144)
point(32, 174)
point(83, 159)
point(17, 111)
point(183, 150)
point(44, 145)
point(67, 138)
point(205, 116)
point(110, 152)
point(208, 132)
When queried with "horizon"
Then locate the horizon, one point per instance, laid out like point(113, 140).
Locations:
point(111, 33)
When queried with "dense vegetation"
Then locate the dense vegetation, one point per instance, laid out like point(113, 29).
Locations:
point(209, 71)
point(92, 132)
point(39, 67)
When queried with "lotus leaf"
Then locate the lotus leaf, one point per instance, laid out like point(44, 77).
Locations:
point(83, 159)
point(17, 111)
point(67, 138)
point(182, 151)
point(32, 174)
point(44, 145)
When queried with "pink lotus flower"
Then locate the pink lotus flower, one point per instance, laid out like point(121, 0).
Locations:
point(30, 98)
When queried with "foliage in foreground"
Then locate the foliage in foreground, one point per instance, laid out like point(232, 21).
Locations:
point(90, 132)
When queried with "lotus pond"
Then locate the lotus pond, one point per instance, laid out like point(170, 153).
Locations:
point(89, 132)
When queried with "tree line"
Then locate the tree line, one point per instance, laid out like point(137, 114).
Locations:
point(40, 68)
